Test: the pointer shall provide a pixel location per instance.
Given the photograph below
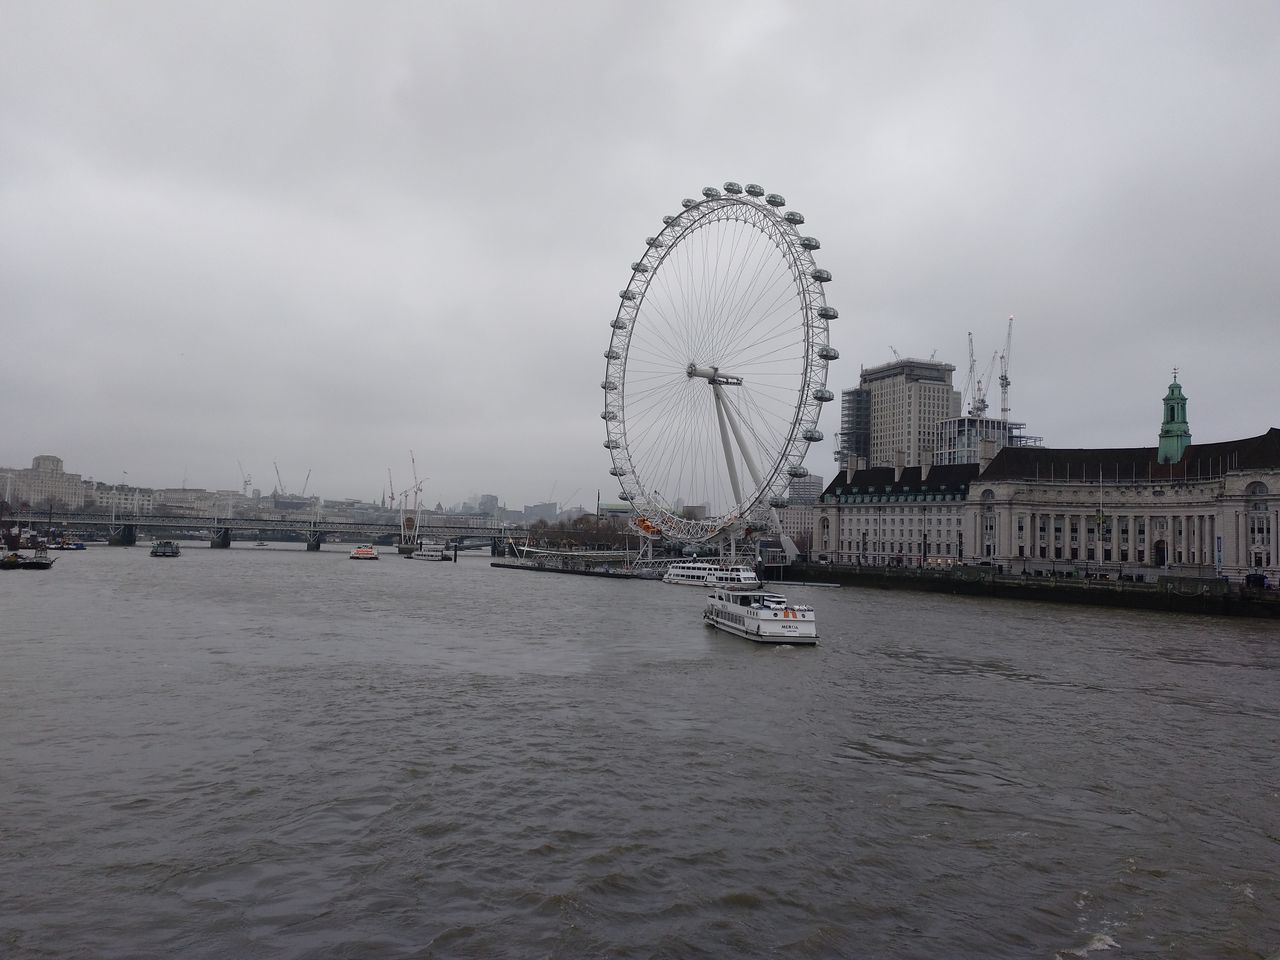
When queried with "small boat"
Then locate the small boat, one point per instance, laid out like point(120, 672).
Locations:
point(760, 616)
point(366, 551)
point(67, 544)
point(261, 543)
point(166, 548)
point(39, 560)
point(430, 551)
point(702, 573)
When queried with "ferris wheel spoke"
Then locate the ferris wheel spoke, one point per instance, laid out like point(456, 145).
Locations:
point(772, 352)
point(719, 336)
point(760, 315)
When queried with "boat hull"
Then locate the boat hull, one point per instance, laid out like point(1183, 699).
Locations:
point(789, 639)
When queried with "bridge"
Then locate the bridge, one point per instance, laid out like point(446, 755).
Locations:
point(123, 529)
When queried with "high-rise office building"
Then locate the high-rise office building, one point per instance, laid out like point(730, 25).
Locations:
point(908, 398)
point(804, 490)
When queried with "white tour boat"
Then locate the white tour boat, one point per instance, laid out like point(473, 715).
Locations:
point(761, 616)
point(430, 551)
point(366, 551)
point(701, 574)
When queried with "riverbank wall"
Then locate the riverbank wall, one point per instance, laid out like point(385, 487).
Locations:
point(1176, 594)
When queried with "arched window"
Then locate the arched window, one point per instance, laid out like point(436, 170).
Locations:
point(1256, 489)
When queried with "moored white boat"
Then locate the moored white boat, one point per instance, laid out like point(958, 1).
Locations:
point(365, 551)
point(430, 551)
point(761, 616)
point(701, 573)
point(166, 548)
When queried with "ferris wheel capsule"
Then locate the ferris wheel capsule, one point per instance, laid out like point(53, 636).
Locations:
point(732, 187)
point(687, 202)
point(813, 435)
point(797, 472)
point(794, 217)
point(823, 395)
point(755, 190)
point(612, 354)
point(627, 294)
point(710, 193)
point(822, 276)
point(828, 313)
point(775, 200)
point(810, 243)
point(828, 352)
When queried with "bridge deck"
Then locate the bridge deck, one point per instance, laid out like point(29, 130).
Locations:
point(291, 524)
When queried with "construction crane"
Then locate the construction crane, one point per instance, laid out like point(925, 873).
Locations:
point(305, 482)
point(245, 480)
point(279, 482)
point(1004, 373)
point(417, 484)
point(896, 356)
point(976, 386)
point(971, 379)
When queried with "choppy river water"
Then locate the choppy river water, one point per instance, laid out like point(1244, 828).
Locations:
point(268, 753)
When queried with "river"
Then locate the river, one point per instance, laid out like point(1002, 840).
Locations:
point(261, 752)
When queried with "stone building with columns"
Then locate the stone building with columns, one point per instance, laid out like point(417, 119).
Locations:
point(1175, 509)
point(1179, 508)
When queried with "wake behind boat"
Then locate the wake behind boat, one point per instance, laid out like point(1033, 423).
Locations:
point(702, 573)
point(761, 616)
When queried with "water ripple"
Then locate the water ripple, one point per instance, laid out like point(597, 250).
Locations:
point(280, 754)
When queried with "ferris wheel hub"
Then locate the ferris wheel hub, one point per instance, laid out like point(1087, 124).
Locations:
point(712, 375)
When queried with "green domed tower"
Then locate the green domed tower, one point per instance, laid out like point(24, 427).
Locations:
point(1175, 432)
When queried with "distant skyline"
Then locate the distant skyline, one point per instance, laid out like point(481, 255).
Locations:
point(323, 234)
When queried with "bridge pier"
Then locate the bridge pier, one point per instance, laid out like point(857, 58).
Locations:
point(221, 539)
point(123, 536)
point(314, 539)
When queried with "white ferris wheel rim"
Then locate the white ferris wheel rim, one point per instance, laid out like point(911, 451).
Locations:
point(716, 369)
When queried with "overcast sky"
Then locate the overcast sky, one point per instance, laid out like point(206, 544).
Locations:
point(324, 234)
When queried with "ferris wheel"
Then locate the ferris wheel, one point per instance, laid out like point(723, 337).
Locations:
point(716, 370)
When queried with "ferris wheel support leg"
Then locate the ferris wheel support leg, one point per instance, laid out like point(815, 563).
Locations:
point(721, 413)
point(742, 445)
point(788, 545)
